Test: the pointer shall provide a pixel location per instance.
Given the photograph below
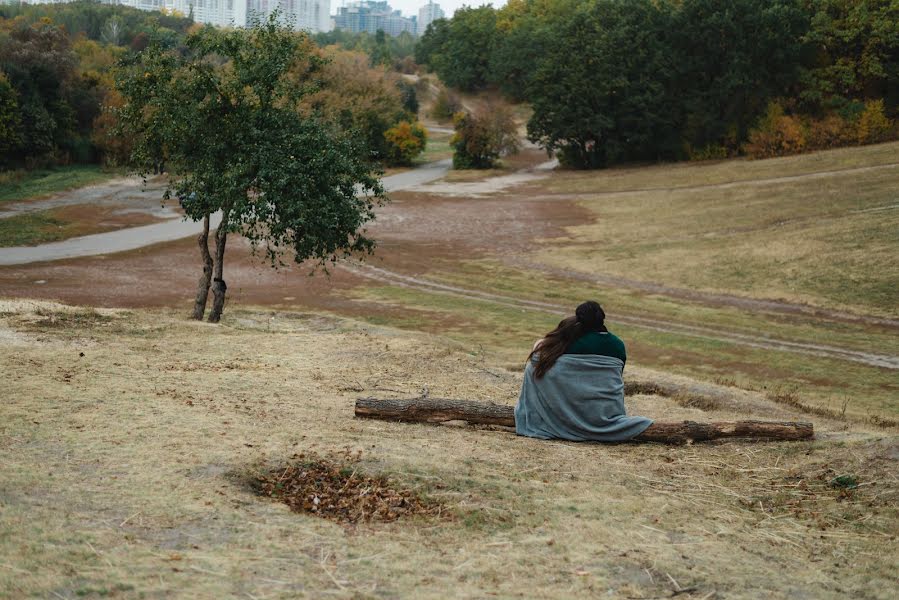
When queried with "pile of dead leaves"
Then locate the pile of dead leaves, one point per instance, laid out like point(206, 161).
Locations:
point(336, 490)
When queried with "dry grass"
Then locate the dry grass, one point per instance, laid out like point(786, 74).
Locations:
point(124, 473)
point(812, 229)
point(829, 387)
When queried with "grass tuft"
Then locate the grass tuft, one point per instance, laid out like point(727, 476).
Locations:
point(27, 185)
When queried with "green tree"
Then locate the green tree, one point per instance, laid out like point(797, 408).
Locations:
point(731, 58)
point(600, 94)
point(40, 65)
point(431, 42)
point(852, 55)
point(10, 122)
point(381, 54)
point(524, 33)
point(227, 117)
point(462, 58)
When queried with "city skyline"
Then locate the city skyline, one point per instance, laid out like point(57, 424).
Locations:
point(411, 7)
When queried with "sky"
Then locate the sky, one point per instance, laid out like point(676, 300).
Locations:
point(410, 7)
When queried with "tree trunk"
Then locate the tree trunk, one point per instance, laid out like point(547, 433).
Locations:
point(206, 277)
point(436, 410)
point(218, 282)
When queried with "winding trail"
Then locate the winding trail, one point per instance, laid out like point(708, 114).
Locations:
point(173, 229)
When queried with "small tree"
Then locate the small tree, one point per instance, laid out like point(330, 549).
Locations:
point(873, 124)
point(483, 136)
point(405, 141)
point(226, 118)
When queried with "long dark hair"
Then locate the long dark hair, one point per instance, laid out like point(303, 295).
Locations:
point(588, 317)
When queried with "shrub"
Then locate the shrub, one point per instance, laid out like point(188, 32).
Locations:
point(832, 131)
point(873, 126)
point(777, 134)
point(446, 105)
point(405, 141)
point(709, 152)
point(409, 97)
point(482, 137)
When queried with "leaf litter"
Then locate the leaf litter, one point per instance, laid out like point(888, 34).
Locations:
point(337, 490)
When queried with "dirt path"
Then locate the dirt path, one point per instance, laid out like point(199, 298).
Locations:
point(173, 229)
point(742, 339)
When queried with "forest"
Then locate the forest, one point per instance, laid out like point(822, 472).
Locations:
point(648, 80)
point(607, 81)
point(59, 103)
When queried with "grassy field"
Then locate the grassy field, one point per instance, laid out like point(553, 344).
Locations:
point(130, 441)
point(718, 276)
point(820, 229)
point(52, 225)
point(32, 228)
point(437, 148)
point(27, 185)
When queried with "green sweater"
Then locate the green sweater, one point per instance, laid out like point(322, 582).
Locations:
point(594, 342)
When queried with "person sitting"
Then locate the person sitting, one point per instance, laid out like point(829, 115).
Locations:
point(573, 387)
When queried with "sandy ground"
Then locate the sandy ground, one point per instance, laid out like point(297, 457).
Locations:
point(129, 439)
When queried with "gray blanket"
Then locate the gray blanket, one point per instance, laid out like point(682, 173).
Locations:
point(580, 398)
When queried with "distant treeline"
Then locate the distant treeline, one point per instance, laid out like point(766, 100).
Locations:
point(58, 102)
point(615, 80)
point(56, 64)
point(394, 52)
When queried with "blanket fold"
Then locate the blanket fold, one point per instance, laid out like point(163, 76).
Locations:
point(581, 398)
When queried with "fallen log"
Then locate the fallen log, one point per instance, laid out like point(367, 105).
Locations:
point(439, 410)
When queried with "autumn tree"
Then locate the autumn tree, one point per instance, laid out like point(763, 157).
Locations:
point(227, 115)
point(405, 141)
point(362, 100)
point(482, 136)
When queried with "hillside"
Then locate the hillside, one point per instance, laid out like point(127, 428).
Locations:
point(131, 439)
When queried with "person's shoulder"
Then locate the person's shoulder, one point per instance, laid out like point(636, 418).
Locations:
point(615, 339)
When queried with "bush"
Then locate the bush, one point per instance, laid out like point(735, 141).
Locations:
point(777, 134)
point(409, 97)
point(709, 152)
point(873, 126)
point(832, 131)
point(482, 137)
point(405, 141)
point(446, 105)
